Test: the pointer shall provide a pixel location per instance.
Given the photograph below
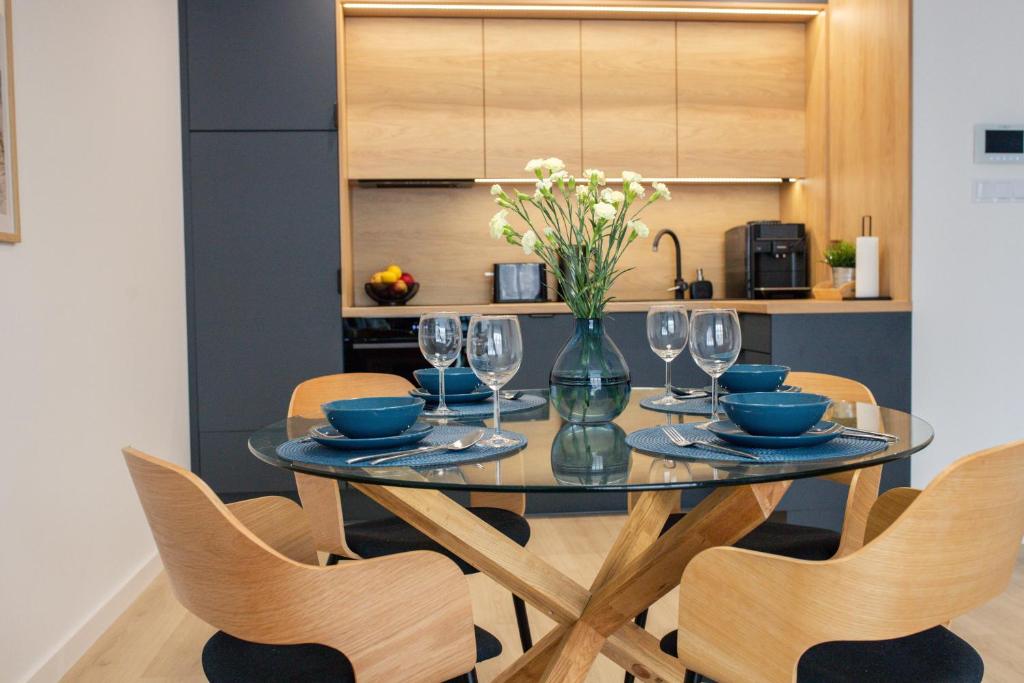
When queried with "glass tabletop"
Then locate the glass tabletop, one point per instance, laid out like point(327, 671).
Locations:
point(567, 458)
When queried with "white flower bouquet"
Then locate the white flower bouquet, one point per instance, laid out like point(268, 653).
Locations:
point(578, 227)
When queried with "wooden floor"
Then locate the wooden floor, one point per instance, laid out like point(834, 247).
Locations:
point(156, 640)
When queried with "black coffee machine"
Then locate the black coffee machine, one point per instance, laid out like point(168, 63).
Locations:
point(766, 260)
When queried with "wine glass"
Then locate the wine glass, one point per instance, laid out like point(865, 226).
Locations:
point(715, 345)
point(494, 348)
point(667, 329)
point(440, 343)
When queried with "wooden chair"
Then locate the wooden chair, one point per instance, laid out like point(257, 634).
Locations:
point(877, 614)
point(807, 542)
point(251, 569)
point(321, 497)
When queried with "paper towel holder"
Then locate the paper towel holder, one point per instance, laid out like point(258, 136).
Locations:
point(867, 226)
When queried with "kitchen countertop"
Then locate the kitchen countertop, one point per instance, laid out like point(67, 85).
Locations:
point(762, 306)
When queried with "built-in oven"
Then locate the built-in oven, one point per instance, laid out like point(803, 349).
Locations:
point(389, 345)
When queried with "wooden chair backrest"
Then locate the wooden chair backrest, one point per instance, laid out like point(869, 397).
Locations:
point(374, 612)
point(311, 394)
point(750, 616)
point(320, 496)
point(863, 483)
point(835, 387)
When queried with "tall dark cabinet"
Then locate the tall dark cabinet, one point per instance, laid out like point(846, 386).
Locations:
point(262, 238)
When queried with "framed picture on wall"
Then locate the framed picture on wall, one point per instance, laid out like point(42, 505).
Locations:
point(10, 223)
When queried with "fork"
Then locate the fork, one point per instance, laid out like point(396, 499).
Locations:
point(681, 441)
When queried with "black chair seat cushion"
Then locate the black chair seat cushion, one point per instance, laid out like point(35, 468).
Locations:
point(788, 540)
point(227, 659)
point(391, 535)
point(934, 656)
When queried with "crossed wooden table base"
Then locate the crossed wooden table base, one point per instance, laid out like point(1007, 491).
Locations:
point(640, 568)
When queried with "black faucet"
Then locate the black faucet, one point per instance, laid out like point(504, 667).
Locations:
point(681, 286)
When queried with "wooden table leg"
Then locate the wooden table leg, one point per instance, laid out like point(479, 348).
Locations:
point(581, 644)
point(639, 653)
point(642, 528)
point(724, 517)
point(641, 567)
point(486, 548)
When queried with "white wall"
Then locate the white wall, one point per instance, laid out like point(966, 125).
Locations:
point(968, 258)
point(92, 314)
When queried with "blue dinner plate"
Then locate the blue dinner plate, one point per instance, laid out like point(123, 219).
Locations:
point(481, 393)
point(326, 435)
point(820, 433)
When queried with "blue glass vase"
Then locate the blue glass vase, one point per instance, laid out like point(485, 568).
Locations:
point(590, 378)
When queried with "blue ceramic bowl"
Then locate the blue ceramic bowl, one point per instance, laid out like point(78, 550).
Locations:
point(775, 413)
point(367, 418)
point(456, 380)
point(751, 377)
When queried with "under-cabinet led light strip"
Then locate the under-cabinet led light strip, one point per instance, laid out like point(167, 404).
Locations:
point(581, 8)
point(668, 181)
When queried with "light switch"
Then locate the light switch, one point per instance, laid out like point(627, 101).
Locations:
point(995, 191)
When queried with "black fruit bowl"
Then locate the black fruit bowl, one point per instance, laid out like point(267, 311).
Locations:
point(382, 294)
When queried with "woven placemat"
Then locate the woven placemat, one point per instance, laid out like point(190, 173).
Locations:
point(653, 441)
point(686, 406)
point(486, 408)
point(310, 452)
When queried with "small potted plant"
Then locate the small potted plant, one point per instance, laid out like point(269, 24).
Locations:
point(842, 256)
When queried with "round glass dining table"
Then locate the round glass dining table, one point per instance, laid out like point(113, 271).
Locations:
point(643, 564)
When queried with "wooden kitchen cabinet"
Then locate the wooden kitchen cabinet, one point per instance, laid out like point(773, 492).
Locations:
point(531, 93)
point(869, 130)
point(629, 97)
point(742, 99)
point(414, 99)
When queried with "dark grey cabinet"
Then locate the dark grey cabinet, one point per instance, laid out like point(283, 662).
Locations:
point(261, 211)
point(260, 64)
point(543, 338)
point(263, 259)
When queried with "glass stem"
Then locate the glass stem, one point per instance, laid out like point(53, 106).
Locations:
point(497, 411)
point(441, 407)
point(668, 379)
point(714, 397)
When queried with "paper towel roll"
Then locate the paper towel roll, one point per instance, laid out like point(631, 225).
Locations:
point(867, 267)
point(869, 418)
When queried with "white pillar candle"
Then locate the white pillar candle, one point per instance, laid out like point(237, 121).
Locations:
point(867, 267)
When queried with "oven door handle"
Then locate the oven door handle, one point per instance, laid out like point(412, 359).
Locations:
point(385, 345)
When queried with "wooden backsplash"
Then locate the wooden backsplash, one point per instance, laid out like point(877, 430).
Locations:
point(440, 235)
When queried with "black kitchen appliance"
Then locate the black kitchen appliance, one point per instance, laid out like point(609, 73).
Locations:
point(389, 345)
point(766, 260)
point(520, 282)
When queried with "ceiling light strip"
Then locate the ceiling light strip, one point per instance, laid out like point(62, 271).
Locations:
point(581, 9)
point(668, 181)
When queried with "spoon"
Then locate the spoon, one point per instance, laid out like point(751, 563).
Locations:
point(511, 395)
point(460, 444)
